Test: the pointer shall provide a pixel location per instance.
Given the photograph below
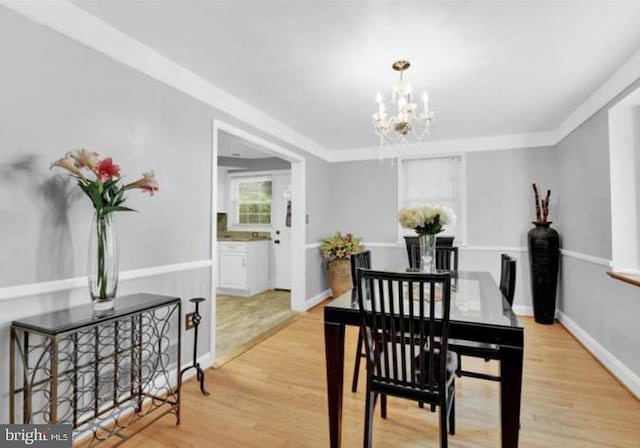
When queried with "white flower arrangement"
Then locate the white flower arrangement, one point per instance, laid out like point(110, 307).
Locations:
point(429, 220)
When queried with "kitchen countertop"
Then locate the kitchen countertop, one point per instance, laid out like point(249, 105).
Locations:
point(243, 236)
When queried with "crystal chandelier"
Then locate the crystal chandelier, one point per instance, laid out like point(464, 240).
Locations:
point(409, 124)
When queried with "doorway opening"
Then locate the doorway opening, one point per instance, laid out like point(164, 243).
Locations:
point(258, 236)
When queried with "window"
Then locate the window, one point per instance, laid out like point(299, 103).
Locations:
point(436, 180)
point(624, 178)
point(251, 199)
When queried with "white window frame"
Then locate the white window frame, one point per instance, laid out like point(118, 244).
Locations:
point(233, 208)
point(624, 179)
point(461, 236)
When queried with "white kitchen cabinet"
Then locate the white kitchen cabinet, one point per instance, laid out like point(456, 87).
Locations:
point(244, 267)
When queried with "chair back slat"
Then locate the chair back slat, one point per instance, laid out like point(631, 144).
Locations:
point(413, 251)
point(406, 319)
point(508, 277)
point(446, 258)
point(359, 260)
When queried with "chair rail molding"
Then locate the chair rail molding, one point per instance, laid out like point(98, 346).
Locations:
point(39, 288)
point(585, 257)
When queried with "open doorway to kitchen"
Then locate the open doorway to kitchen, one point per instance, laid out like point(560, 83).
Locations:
point(257, 239)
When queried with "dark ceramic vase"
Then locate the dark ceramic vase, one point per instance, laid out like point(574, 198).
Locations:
point(544, 247)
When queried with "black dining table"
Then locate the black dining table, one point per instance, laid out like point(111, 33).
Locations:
point(479, 313)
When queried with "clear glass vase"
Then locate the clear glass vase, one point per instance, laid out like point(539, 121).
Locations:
point(102, 263)
point(427, 252)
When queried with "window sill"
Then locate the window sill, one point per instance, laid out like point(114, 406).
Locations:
point(627, 278)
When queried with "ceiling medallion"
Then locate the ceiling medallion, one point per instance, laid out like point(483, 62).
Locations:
point(409, 124)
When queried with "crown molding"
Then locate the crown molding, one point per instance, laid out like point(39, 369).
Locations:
point(443, 147)
point(74, 22)
point(622, 78)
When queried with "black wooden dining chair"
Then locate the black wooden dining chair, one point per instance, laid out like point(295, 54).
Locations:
point(405, 325)
point(360, 260)
point(444, 252)
point(483, 350)
point(507, 277)
point(446, 258)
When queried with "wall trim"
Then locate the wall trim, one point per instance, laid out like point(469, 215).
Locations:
point(318, 298)
point(523, 310)
point(206, 360)
point(494, 248)
point(76, 23)
point(584, 257)
point(616, 367)
point(474, 248)
point(449, 147)
point(623, 77)
point(34, 289)
point(376, 244)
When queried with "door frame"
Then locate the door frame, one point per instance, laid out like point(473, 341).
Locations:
point(283, 205)
point(298, 216)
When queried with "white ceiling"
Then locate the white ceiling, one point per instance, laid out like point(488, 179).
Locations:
point(231, 146)
point(491, 67)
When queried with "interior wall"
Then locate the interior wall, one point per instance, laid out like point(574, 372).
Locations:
point(61, 95)
point(499, 211)
point(598, 305)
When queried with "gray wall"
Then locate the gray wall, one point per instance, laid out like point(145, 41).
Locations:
point(499, 207)
point(364, 198)
point(606, 309)
point(59, 95)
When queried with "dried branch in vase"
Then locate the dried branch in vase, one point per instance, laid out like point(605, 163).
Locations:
point(545, 207)
point(537, 202)
point(542, 206)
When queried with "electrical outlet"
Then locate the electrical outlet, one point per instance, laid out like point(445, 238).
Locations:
point(189, 323)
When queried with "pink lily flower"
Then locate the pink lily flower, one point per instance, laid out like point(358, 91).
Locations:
point(147, 183)
point(106, 170)
point(85, 158)
point(68, 164)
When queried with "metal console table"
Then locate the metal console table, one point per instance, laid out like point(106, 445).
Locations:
point(99, 374)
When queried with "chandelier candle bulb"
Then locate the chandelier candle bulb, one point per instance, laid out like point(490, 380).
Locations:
point(425, 100)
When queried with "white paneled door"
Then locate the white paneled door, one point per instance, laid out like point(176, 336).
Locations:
point(281, 234)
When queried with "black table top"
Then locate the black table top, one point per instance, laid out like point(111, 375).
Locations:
point(475, 299)
point(70, 319)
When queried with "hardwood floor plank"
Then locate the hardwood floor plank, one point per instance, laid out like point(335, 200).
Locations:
point(274, 395)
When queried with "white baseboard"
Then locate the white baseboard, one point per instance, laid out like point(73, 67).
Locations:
point(606, 358)
point(523, 310)
point(313, 301)
point(205, 362)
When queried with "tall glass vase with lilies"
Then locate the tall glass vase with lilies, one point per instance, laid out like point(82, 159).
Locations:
point(100, 180)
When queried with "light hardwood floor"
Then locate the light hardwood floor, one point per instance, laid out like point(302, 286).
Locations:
point(241, 322)
point(274, 395)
